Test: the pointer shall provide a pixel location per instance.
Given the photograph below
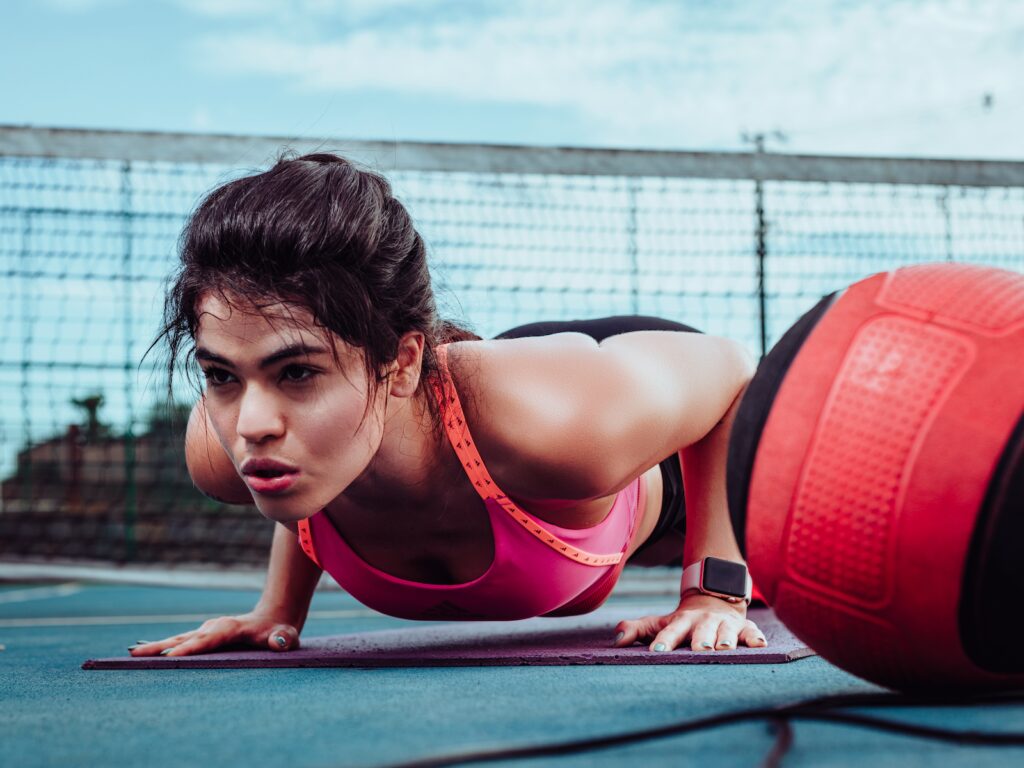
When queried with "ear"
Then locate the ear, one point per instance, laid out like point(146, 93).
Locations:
point(405, 370)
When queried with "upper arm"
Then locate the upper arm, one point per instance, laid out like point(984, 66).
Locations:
point(682, 385)
point(593, 416)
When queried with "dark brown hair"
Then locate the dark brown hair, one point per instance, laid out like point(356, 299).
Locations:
point(318, 232)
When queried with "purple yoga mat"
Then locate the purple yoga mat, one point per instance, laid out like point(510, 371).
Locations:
point(542, 641)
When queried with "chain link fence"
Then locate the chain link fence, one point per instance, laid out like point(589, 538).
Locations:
point(91, 456)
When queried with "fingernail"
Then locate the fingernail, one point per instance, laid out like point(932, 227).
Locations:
point(660, 647)
point(165, 651)
point(280, 641)
point(143, 642)
point(725, 646)
point(707, 645)
point(618, 638)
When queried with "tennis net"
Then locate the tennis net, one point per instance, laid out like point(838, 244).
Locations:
point(739, 245)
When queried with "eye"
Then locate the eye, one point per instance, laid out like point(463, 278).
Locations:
point(217, 377)
point(297, 374)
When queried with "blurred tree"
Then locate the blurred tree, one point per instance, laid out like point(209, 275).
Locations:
point(168, 418)
point(94, 429)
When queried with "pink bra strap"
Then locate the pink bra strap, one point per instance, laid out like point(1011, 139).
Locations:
point(458, 434)
point(306, 541)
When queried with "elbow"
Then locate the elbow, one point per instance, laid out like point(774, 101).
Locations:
point(745, 367)
point(742, 365)
point(747, 361)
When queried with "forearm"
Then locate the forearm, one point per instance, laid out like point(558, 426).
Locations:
point(709, 529)
point(291, 579)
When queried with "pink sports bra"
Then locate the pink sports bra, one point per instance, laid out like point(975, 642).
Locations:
point(538, 568)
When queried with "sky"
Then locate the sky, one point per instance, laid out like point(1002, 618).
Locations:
point(917, 78)
point(940, 78)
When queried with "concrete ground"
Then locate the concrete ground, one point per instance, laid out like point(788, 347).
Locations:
point(53, 713)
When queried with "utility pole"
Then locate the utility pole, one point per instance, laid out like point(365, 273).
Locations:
point(758, 140)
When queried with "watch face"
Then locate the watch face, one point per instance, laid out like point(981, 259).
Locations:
point(725, 576)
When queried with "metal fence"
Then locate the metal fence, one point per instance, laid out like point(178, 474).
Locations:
point(736, 244)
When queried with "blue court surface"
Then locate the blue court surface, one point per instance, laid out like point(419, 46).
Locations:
point(54, 713)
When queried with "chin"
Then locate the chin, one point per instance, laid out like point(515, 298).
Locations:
point(295, 504)
point(285, 513)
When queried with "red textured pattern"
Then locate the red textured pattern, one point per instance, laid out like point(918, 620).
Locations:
point(896, 374)
point(981, 298)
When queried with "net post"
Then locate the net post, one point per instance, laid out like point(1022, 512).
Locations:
point(24, 470)
point(632, 247)
point(943, 201)
point(762, 253)
point(130, 500)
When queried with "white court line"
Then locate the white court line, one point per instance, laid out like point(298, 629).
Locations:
point(82, 621)
point(39, 593)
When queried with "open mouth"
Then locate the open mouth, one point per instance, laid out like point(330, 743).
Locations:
point(266, 476)
point(269, 473)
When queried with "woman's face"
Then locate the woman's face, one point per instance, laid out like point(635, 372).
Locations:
point(287, 414)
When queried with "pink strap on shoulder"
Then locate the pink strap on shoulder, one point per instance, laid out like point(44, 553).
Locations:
point(306, 541)
point(486, 488)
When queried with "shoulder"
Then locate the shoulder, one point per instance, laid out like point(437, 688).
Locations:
point(565, 415)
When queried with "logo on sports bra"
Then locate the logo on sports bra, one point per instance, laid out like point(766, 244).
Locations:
point(447, 610)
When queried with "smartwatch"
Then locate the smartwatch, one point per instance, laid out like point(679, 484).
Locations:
point(725, 579)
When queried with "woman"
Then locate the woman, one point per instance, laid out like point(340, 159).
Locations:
point(432, 473)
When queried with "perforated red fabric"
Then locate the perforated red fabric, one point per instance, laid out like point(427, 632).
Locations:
point(896, 373)
point(982, 299)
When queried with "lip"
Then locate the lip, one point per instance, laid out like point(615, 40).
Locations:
point(283, 479)
point(270, 486)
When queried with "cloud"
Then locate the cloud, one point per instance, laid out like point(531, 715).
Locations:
point(283, 10)
point(893, 75)
point(79, 6)
point(228, 8)
point(538, 53)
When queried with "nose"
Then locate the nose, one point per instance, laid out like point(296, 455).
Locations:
point(259, 417)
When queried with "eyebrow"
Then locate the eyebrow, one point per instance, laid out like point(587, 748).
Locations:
point(294, 350)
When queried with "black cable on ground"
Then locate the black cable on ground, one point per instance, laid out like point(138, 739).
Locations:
point(783, 741)
point(819, 709)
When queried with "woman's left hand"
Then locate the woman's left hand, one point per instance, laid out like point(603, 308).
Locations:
point(709, 623)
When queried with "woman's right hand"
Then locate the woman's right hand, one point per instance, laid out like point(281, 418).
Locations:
point(255, 629)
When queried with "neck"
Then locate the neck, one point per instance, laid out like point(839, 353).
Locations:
point(410, 462)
